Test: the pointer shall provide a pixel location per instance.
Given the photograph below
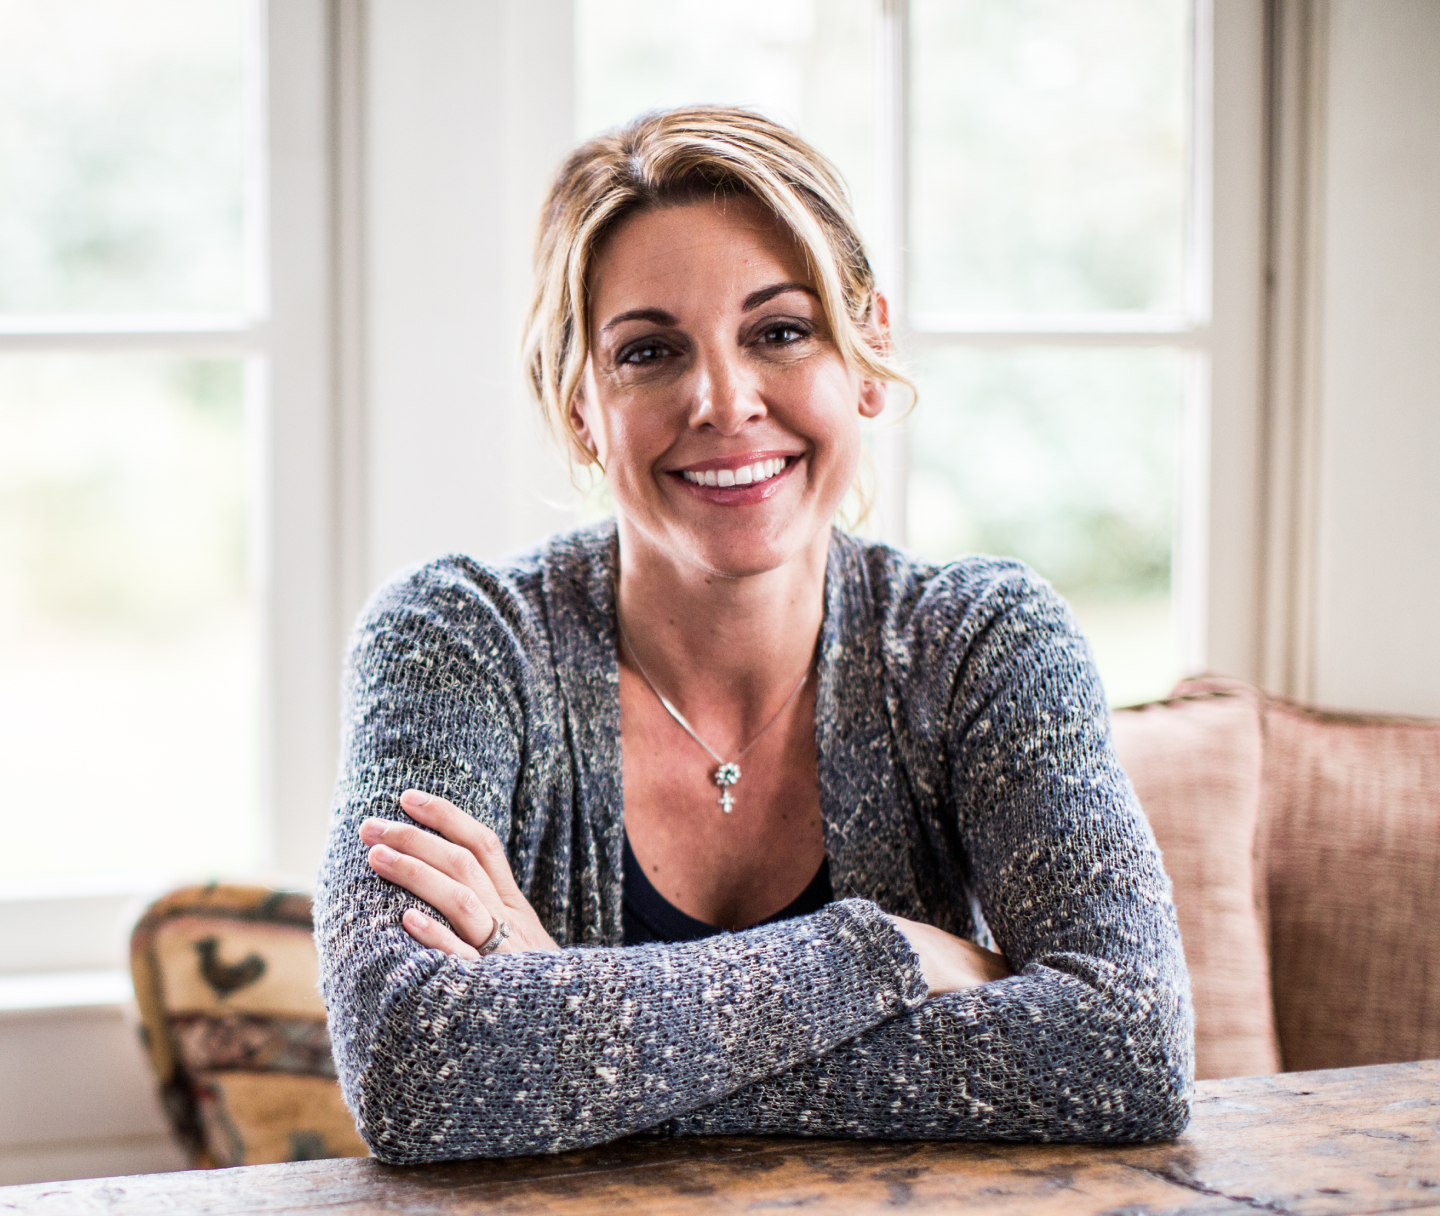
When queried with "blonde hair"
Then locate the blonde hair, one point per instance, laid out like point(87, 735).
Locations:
point(669, 159)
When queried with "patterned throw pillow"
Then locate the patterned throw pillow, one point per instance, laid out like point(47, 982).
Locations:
point(226, 980)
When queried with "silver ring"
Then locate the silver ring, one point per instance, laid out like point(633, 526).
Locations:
point(492, 944)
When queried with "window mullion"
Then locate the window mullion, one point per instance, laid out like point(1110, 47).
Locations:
point(892, 450)
point(1189, 566)
point(929, 339)
point(193, 336)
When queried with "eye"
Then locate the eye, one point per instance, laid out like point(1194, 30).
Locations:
point(647, 350)
point(784, 333)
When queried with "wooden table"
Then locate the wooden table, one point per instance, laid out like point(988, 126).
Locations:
point(1347, 1141)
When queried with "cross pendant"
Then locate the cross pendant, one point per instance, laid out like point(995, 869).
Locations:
point(727, 800)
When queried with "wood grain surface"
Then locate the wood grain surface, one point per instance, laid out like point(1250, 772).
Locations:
point(1346, 1141)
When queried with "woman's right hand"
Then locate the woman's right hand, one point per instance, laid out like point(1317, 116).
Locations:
point(950, 963)
point(459, 869)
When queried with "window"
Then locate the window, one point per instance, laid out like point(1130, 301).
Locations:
point(1025, 175)
point(169, 635)
point(214, 314)
point(128, 369)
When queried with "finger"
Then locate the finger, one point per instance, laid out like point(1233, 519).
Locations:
point(480, 863)
point(453, 860)
point(473, 922)
point(430, 932)
point(465, 830)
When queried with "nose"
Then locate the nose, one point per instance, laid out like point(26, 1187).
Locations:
point(727, 397)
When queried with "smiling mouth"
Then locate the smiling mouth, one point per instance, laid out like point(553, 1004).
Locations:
point(745, 475)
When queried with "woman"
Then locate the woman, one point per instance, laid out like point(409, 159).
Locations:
point(719, 712)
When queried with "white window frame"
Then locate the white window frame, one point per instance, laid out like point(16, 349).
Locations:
point(286, 334)
point(1214, 329)
point(326, 368)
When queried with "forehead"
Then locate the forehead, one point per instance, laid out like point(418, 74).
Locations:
point(729, 246)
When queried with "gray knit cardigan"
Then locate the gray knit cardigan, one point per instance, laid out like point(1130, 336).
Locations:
point(967, 779)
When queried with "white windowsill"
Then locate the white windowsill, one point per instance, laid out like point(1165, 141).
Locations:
point(82, 924)
point(63, 990)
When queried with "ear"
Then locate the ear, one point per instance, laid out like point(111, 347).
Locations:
point(874, 393)
point(873, 396)
point(579, 414)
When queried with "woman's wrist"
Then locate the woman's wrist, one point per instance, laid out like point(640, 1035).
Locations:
point(950, 963)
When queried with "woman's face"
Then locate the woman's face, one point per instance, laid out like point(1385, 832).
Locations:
point(714, 397)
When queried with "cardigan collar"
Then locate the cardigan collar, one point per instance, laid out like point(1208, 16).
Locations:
point(852, 722)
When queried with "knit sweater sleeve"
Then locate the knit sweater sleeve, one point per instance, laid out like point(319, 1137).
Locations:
point(442, 1058)
point(1092, 1037)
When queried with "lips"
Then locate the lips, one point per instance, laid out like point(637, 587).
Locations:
point(745, 475)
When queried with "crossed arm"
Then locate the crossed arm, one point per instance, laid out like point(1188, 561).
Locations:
point(828, 1025)
point(459, 868)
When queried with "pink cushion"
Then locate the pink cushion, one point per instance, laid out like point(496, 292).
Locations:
point(1196, 764)
point(1352, 804)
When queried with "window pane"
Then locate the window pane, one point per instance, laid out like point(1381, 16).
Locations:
point(1067, 459)
point(127, 647)
point(806, 63)
point(121, 153)
point(1048, 154)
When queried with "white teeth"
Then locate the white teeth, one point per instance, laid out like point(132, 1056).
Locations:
point(745, 475)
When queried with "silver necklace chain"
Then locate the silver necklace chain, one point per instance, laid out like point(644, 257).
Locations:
point(728, 773)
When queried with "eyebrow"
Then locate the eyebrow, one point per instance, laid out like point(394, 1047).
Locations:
point(656, 316)
point(766, 294)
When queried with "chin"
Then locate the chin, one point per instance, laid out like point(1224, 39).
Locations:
point(730, 543)
point(745, 554)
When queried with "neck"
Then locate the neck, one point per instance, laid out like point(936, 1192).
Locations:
point(725, 649)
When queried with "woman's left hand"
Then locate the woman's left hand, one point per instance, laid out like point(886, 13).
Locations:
point(462, 873)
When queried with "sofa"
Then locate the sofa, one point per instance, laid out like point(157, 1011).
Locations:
point(1304, 847)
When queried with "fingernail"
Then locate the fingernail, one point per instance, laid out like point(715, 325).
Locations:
point(374, 827)
point(384, 854)
point(414, 798)
point(419, 919)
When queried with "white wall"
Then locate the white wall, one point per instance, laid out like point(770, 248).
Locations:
point(1233, 499)
point(469, 108)
point(1377, 594)
point(79, 1099)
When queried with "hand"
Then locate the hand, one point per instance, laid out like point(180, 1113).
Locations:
point(462, 874)
point(950, 963)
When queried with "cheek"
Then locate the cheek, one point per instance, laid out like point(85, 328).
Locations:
point(632, 439)
point(619, 426)
point(828, 400)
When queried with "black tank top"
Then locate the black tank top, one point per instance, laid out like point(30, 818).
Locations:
point(650, 917)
